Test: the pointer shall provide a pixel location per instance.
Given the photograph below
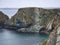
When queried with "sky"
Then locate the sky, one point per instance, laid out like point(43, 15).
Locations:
point(26, 3)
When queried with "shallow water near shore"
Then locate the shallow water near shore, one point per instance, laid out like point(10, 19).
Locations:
point(9, 37)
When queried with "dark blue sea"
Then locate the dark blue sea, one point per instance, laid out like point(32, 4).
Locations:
point(9, 37)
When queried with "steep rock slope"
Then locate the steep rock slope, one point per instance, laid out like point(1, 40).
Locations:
point(35, 17)
point(3, 19)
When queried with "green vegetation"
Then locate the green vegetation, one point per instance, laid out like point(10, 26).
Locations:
point(44, 43)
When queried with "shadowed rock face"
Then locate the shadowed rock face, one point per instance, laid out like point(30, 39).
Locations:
point(3, 18)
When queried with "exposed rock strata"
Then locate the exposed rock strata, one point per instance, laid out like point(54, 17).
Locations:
point(28, 17)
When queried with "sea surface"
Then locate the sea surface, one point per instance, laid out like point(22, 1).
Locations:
point(9, 37)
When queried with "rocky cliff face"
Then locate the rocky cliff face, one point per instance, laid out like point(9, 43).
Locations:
point(36, 15)
point(3, 18)
point(26, 17)
point(22, 16)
